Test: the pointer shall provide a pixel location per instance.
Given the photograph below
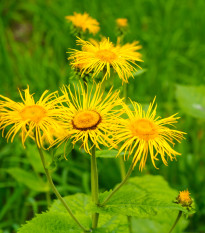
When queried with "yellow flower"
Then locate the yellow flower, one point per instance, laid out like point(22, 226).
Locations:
point(143, 132)
point(90, 117)
point(31, 118)
point(84, 22)
point(122, 22)
point(103, 55)
point(184, 198)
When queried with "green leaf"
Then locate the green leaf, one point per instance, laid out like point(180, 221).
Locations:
point(59, 153)
point(112, 224)
point(107, 153)
point(62, 223)
point(141, 197)
point(59, 221)
point(139, 72)
point(34, 157)
point(192, 100)
point(78, 203)
point(28, 179)
point(53, 222)
point(162, 223)
point(62, 151)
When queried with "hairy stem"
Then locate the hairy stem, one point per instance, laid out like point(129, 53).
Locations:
point(56, 191)
point(176, 221)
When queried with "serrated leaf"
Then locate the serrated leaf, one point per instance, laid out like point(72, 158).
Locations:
point(141, 197)
point(192, 100)
point(78, 203)
point(28, 179)
point(53, 222)
point(59, 221)
point(62, 223)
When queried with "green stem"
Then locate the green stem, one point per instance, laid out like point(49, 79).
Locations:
point(125, 92)
point(122, 167)
point(56, 191)
point(118, 186)
point(123, 174)
point(48, 198)
point(176, 221)
point(94, 186)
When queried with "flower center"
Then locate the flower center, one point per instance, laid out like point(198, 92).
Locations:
point(144, 129)
point(85, 120)
point(34, 113)
point(106, 55)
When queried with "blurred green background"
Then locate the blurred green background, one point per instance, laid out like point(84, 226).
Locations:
point(34, 40)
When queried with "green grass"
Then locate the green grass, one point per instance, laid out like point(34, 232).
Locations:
point(34, 40)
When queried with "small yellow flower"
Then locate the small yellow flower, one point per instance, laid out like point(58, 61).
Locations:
point(90, 116)
point(31, 118)
point(184, 198)
point(103, 55)
point(122, 22)
point(143, 132)
point(84, 22)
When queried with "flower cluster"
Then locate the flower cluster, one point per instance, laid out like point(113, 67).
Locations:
point(92, 118)
point(89, 115)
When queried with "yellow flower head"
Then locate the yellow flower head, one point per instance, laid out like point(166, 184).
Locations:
point(90, 116)
point(143, 132)
point(31, 118)
point(103, 55)
point(184, 198)
point(122, 22)
point(84, 22)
